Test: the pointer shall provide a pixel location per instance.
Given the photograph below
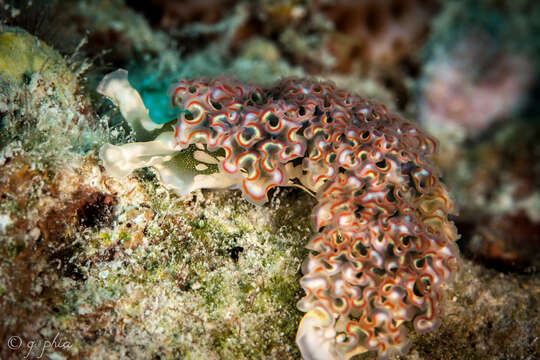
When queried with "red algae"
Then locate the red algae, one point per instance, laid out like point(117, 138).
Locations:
point(384, 244)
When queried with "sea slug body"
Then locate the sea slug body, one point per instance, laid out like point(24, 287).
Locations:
point(383, 245)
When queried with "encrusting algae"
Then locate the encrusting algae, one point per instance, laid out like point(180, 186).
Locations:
point(384, 244)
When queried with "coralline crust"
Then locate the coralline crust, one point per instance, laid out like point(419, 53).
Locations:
point(384, 244)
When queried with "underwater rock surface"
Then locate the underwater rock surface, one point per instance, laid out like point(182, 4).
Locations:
point(116, 269)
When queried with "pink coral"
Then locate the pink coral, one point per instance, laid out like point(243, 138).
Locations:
point(468, 88)
point(384, 244)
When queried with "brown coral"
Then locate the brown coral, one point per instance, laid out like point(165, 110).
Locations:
point(376, 32)
point(178, 13)
point(385, 244)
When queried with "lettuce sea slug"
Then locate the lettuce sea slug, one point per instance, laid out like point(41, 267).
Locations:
point(384, 244)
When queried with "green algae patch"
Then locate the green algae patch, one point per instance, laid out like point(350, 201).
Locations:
point(22, 55)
